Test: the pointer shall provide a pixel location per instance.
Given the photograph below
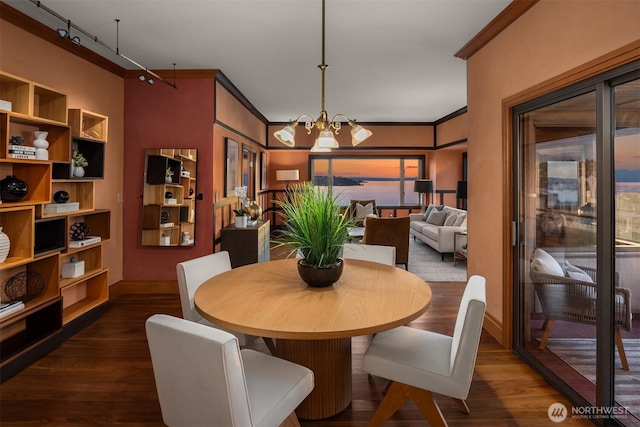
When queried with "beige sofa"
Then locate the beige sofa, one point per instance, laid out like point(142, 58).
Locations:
point(439, 237)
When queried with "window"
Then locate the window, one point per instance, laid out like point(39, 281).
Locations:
point(387, 179)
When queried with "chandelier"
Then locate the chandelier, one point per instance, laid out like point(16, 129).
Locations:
point(325, 140)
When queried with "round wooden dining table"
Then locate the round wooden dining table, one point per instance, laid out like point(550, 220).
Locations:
point(313, 326)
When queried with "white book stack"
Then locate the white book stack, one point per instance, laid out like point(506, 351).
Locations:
point(54, 208)
point(90, 240)
point(7, 308)
point(22, 152)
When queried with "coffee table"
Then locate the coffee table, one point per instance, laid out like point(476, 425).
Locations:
point(314, 326)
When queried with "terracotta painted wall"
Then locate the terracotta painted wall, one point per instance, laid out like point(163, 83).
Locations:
point(453, 130)
point(234, 115)
point(155, 117)
point(86, 86)
point(548, 40)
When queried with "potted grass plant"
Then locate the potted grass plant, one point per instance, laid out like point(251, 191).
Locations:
point(314, 228)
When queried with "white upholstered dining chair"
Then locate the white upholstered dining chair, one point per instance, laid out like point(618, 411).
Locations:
point(192, 274)
point(421, 362)
point(375, 253)
point(204, 379)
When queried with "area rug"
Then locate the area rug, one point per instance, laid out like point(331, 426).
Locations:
point(427, 263)
point(580, 354)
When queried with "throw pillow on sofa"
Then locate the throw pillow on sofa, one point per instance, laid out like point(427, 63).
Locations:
point(437, 217)
point(430, 208)
point(451, 219)
point(460, 219)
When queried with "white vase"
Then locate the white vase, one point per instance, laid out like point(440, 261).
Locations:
point(5, 245)
point(241, 222)
point(41, 145)
point(168, 179)
point(78, 171)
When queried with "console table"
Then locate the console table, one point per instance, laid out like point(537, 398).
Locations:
point(459, 254)
point(247, 245)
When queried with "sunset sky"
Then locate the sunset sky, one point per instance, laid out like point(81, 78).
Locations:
point(379, 168)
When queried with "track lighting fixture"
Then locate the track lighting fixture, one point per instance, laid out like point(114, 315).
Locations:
point(65, 33)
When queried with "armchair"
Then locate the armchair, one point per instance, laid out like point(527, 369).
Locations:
point(389, 232)
point(574, 299)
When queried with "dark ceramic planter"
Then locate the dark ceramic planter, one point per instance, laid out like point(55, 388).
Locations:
point(320, 277)
point(61, 197)
point(12, 189)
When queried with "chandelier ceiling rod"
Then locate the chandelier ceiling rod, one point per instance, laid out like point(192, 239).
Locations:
point(39, 4)
point(326, 140)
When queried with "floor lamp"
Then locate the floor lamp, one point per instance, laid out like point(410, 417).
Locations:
point(461, 195)
point(422, 186)
point(287, 175)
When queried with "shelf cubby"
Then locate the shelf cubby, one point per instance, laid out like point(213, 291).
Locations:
point(84, 295)
point(49, 235)
point(49, 104)
point(81, 192)
point(154, 194)
point(18, 224)
point(36, 174)
point(88, 125)
point(92, 258)
point(47, 267)
point(154, 237)
point(17, 91)
point(58, 137)
point(99, 222)
point(157, 167)
point(28, 327)
point(152, 216)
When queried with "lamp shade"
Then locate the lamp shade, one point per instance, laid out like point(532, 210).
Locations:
point(423, 186)
point(461, 190)
point(326, 140)
point(359, 134)
point(288, 175)
point(286, 135)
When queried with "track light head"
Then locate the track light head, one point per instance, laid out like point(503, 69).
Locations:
point(142, 78)
point(150, 81)
point(75, 40)
point(62, 33)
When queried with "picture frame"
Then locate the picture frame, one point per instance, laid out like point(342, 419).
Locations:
point(263, 170)
point(231, 167)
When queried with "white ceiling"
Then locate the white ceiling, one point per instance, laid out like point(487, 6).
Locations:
point(389, 60)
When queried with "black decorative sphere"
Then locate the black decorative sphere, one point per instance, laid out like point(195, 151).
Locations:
point(61, 197)
point(79, 231)
point(164, 217)
point(190, 191)
point(168, 195)
point(12, 189)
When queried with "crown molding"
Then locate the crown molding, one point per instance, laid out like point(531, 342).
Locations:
point(513, 11)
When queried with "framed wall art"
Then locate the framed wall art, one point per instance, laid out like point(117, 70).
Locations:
point(231, 167)
point(263, 170)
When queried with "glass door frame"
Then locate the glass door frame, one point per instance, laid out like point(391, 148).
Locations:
point(603, 85)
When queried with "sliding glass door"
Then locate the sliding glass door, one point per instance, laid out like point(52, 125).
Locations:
point(577, 257)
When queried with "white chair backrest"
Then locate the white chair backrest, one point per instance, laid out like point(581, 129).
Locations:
point(199, 373)
point(192, 273)
point(375, 253)
point(466, 334)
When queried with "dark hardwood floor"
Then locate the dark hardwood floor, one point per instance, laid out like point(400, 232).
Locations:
point(103, 377)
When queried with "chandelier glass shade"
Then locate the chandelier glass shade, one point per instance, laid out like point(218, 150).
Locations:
point(326, 140)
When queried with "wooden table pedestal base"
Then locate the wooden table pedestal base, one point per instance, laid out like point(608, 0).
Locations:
point(330, 361)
